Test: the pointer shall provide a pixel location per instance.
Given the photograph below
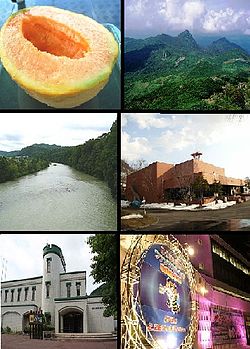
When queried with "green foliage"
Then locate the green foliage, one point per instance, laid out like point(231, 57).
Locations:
point(175, 74)
point(97, 157)
point(6, 330)
point(104, 268)
point(48, 328)
point(200, 187)
point(12, 168)
point(216, 187)
point(99, 291)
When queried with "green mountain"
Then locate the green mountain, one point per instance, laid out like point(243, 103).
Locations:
point(9, 153)
point(175, 73)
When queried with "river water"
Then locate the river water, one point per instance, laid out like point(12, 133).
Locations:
point(57, 198)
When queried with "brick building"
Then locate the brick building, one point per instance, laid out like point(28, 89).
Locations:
point(157, 180)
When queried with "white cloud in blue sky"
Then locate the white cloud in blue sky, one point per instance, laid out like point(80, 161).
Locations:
point(223, 140)
point(146, 17)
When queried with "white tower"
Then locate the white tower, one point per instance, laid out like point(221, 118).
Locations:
point(53, 265)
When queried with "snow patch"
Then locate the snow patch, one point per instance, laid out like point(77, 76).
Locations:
point(194, 207)
point(132, 216)
point(124, 203)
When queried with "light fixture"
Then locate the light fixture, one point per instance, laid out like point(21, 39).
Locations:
point(203, 290)
point(189, 249)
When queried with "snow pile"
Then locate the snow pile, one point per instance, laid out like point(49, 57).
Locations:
point(124, 203)
point(195, 207)
point(170, 206)
point(131, 216)
point(219, 205)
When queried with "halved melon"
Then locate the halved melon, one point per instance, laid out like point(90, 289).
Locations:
point(59, 57)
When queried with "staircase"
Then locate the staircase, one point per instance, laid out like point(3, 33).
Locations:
point(102, 337)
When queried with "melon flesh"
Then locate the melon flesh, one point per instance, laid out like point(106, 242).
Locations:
point(60, 58)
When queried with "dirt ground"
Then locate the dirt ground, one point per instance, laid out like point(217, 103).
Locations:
point(233, 218)
point(23, 342)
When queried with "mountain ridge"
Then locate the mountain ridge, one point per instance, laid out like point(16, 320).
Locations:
point(174, 73)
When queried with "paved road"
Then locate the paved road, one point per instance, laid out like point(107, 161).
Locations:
point(23, 342)
point(236, 217)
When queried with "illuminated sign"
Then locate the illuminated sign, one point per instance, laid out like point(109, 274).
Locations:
point(158, 295)
point(165, 303)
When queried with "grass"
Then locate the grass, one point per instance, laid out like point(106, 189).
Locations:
point(136, 223)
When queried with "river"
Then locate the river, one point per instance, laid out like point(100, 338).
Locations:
point(57, 198)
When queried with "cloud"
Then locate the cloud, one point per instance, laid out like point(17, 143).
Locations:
point(136, 7)
point(174, 16)
point(52, 128)
point(11, 137)
point(220, 138)
point(181, 14)
point(134, 148)
point(147, 120)
point(225, 20)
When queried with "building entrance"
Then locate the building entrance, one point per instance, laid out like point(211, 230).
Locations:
point(72, 322)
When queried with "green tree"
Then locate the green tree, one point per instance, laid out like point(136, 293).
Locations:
point(104, 268)
point(216, 187)
point(200, 187)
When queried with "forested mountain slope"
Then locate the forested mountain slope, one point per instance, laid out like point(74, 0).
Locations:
point(165, 72)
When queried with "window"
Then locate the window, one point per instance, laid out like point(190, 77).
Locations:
point(26, 293)
point(33, 293)
point(12, 295)
point(78, 288)
point(47, 285)
point(68, 285)
point(18, 294)
point(49, 265)
point(6, 296)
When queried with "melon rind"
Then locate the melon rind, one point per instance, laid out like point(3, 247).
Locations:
point(66, 94)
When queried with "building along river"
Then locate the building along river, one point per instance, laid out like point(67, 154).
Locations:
point(57, 198)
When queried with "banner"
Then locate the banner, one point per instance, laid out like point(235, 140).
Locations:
point(227, 325)
point(247, 325)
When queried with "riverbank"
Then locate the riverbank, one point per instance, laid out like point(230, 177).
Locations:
point(15, 167)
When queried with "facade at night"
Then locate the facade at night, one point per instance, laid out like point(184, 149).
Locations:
point(224, 302)
point(159, 180)
point(217, 291)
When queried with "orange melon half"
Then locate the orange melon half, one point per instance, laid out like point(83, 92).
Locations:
point(59, 57)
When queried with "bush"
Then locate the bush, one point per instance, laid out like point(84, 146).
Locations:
point(6, 330)
point(26, 329)
point(48, 328)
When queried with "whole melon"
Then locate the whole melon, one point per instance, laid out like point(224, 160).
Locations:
point(59, 57)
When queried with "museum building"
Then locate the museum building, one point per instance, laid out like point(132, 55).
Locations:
point(60, 295)
point(185, 291)
point(159, 180)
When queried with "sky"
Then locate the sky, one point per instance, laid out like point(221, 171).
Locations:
point(24, 254)
point(20, 130)
point(223, 139)
point(146, 17)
